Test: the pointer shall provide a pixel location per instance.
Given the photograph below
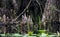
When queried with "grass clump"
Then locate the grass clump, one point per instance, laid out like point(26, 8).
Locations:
point(30, 33)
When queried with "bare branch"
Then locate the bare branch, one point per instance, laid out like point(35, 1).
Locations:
point(39, 5)
point(23, 11)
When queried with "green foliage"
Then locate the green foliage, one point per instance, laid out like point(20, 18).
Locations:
point(30, 33)
point(39, 22)
point(41, 31)
point(18, 28)
point(16, 35)
point(2, 34)
point(28, 26)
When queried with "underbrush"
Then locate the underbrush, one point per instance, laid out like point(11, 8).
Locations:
point(41, 33)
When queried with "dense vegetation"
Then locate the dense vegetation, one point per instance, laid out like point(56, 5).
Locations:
point(25, 16)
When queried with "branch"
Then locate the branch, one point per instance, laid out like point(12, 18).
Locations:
point(57, 10)
point(39, 5)
point(54, 8)
point(23, 11)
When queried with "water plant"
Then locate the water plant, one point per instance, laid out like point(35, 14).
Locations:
point(41, 31)
point(30, 33)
